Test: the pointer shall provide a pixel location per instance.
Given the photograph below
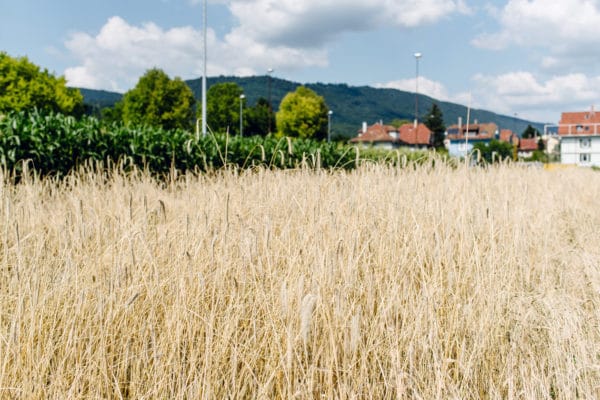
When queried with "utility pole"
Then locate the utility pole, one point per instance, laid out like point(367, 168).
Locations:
point(417, 58)
point(204, 23)
point(242, 97)
point(270, 72)
point(329, 114)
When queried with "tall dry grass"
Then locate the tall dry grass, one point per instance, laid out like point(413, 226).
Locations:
point(422, 283)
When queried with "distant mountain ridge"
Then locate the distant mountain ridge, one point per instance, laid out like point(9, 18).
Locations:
point(351, 105)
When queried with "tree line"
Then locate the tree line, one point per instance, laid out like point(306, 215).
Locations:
point(163, 102)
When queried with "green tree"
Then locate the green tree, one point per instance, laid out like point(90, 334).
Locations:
point(530, 132)
point(303, 114)
point(397, 123)
point(257, 118)
point(112, 114)
point(159, 101)
point(223, 107)
point(435, 122)
point(23, 85)
point(495, 150)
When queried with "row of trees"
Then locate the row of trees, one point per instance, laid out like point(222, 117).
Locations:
point(159, 101)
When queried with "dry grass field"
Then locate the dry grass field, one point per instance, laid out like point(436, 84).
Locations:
point(382, 283)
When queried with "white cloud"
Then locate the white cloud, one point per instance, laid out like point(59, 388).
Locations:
point(568, 29)
point(311, 23)
point(426, 86)
point(518, 92)
point(562, 36)
point(283, 34)
point(530, 97)
point(120, 53)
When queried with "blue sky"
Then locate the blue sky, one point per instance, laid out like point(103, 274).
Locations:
point(530, 58)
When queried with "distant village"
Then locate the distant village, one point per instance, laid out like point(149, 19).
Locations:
point(575, 140)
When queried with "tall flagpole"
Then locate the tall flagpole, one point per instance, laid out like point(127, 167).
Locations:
point(204, 70)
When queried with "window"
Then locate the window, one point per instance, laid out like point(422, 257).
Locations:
point(584, 143)
point(584, 157)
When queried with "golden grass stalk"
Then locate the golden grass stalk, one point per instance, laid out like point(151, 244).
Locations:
point(425, 282)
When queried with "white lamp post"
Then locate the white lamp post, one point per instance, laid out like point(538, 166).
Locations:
point(269, 73)
point(329, 114)
point(417, 58)
point(242, 97)
point(204, 23)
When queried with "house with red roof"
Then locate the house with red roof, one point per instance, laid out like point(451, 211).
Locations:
point(377, 135)
point(507, 135)
point(579, 134)
point(418, 137)
point(461, 138)
point(527, 147)
point(390, 137)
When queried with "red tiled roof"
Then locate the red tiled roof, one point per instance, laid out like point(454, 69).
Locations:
point(506, 135)
point(481, 131)
point(406, 134)
point(410, 135)
point(579, 123)
point(376, 133)
point(528, 144)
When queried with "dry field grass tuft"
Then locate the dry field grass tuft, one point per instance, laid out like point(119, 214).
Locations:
point(416, 283)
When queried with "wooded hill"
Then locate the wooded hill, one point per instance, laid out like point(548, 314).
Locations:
point(351, 105)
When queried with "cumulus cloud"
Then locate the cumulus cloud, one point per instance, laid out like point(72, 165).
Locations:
point(311, 23)
point(531, 97)
point(120, 53)
point(283, 34)
point(518, 92)
point(569, 29)
point(426, 86)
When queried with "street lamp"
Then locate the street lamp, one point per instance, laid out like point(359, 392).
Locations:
point(204, 23)
point(242, 97)
point(417, 58)
point(269, 73)
point(329, 114)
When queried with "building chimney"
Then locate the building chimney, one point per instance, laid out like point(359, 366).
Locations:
point(459, 124)
point(364, 127)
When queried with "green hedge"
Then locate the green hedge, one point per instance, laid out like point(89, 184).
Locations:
point(55, 144)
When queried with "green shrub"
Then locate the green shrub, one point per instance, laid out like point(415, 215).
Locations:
point(55, 144)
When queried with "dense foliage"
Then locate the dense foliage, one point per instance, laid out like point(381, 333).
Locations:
point(159, 101)
point(302, 113)
point(530, 132)
point(435, 122)
point(256, 119)
point(354, 104)
point(55, 144)
point(23, 85)
point(495, 150)
point(223, 107)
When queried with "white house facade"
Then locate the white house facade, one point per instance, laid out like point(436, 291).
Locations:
point(579, 134)
point(580, 150)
